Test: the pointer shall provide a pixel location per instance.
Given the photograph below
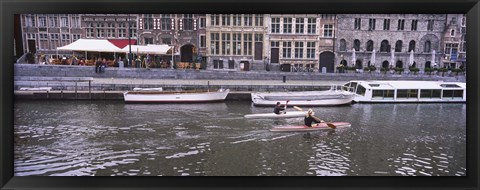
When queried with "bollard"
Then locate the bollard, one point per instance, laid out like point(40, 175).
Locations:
point(284, 79)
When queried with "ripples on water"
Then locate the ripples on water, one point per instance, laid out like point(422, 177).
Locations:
point(117, 139)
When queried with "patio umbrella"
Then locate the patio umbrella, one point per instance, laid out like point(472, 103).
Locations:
point(354, 57)
point(410, 60)
point(392, 57)
point(372, 59)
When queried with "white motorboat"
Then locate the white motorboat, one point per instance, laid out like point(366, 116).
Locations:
point(195, 96)
point(332, 97)
point(408, 91)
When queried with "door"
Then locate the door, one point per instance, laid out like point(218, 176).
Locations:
point(258, 50)
point(275, 55)
point(327, 61)
point(32, 48)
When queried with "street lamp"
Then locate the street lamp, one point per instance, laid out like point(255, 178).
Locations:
point(129, 42)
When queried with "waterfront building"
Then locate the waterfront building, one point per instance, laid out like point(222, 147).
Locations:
point(43, 33)
point(398, 34)
point(235, 41)
point(453, 41)
point(301, 42)
point(179, 30)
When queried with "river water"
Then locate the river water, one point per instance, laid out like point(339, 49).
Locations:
point(110, 138)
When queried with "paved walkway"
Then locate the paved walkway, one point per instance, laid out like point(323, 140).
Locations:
point(212, 82)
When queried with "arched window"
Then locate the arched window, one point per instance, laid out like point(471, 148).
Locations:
point(356, 45)
point(411, 46)
point(370, 45)
point(398, 46)
point(452, 33)
point(428, 64)
point(427, 47)
point(343, 45)
point(384, 47)
point(399, 64)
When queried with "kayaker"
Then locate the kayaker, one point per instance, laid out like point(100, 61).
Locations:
point(310, 118)
point(279, 109)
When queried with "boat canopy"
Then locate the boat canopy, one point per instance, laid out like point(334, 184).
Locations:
point(410, 84)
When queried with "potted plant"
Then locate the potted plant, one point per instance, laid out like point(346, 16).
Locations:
point(414, 70)
point(456, 71)
point(372, 68)
point(340, 68)
point(351, 69)
point(399, 70)
point(366, 69)
point(443, 70)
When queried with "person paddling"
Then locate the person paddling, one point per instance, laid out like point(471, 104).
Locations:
point(279, 109)
point(310, 118)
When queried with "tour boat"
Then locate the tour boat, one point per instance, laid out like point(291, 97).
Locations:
point(407, 91)
point(332, 97)
point(195, 96)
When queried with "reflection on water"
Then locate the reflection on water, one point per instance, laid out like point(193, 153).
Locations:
point(116, 139)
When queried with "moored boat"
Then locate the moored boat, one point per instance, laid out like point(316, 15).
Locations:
point(196, 96)
point(332, 97)
point(407, 91)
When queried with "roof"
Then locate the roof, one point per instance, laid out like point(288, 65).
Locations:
point(411, 84)
point(96, 45)
point(149, 49)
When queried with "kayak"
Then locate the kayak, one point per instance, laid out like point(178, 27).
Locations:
point(289, 114)
point(321, 126)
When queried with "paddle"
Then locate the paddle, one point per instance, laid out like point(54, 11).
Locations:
point(316, 118)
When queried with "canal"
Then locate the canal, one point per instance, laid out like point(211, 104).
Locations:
point(110, 138)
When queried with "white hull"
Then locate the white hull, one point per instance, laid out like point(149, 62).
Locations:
point(176, 97)
point(289, 114)
point(307, 98)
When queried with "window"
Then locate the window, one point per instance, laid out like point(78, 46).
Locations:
point(203, 41)
point(311, 26)
point(430, 24)
point(275, 44)
point(54, 41)
point(75, 37)
point(427, 47)
point(414, 25)
point(30, 21)
point(258, 20)
point(287, 49)
point(299, 25)
point(276, 25)
point(386, 24)
point(371, 24)
point(111, 33)
point(43, 41)
point(452, 32)
point(258, 37)
point(430, 93)
point(370, 45)
point(247, 44)
point(361, 90)
point(464, 45)
point(53, 21)
point(298, 49)
point(42, 21)
point(401, 24)
point(343, 45)
point(450, 48)
point(148, 40)
point(166, 22)
point(187, 22)
point(407, 93)
point(453, 94)
point(203, 22)
point(122, 33)
point(226, 20)
point(64, 22)
point(398, 46)
point(356, 45)
point(168, 40)
point(215, 43)
point(89, 33)
point(226, 44)
point(237, 20)
point(358, 24)
point(311, 50)
point(328, 30)
point(147, 22)
point(287, 25)
point(464, 21)
point(247, 20)
point(384, 47)
point(237, 43)
point(411, 46)
point(215, 20)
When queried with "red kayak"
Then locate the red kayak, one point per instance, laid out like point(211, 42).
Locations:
point(320, 126)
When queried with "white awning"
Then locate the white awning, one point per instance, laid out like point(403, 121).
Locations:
point(95, 45)
point(149, 49)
